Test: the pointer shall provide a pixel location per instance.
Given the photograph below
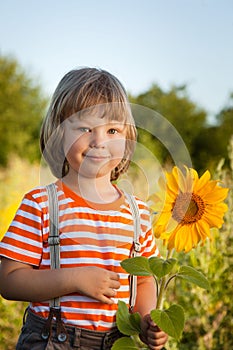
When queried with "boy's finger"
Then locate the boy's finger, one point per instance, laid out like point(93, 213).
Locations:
point(114, 276)
point(154, 326)
point(115, 284)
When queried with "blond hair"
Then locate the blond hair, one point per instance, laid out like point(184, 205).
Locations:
point(77, 91)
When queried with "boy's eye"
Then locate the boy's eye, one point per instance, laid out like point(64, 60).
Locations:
point(112, 131)
point(84, 129)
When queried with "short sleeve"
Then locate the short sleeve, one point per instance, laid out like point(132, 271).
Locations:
point(23, 240)
point(147, 238)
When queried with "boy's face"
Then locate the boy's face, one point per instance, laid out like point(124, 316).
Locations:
point(93, 145)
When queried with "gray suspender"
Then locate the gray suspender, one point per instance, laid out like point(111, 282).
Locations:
point(136, 247)
point(54, 240)
point(54, 245)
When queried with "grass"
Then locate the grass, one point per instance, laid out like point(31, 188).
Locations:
point(209, 318)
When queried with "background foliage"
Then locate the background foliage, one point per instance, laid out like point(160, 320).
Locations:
point(22, 105)
point(207, 143)
point(15, 180)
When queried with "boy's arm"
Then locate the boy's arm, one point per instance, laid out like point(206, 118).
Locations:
point(151, 334)
point(146, 295)
point(19, 281)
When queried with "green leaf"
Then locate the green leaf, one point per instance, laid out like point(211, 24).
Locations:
point(135, 321)
point(125, 343)
point(138, 266)
point(161, 267)
point(128, 324)
point(171, 320)
point(190, 274)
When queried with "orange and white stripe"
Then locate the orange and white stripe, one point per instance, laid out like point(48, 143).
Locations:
point(90, 235)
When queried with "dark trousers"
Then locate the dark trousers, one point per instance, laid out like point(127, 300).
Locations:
point(77, 338)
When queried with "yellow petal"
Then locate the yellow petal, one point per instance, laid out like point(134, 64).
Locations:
point(180, 239)
point(171, 225)
point(190, 238)
point(214, 217)
point(191, 178)
point(203, 229)
point(203, 180)
point(171, 241)
point(196, 235)
point(208, 188)
point(217, 195)
point(172, 184)
point(181, 180)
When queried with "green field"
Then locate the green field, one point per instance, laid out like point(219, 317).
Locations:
point(208, 314)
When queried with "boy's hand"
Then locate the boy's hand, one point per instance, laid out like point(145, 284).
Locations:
point(151, 334)
point(21, 281)
point(98, 283)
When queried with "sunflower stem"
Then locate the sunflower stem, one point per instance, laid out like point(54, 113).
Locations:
point(169, 280)
point(163, 285)
point(157, 285)
point(159, 304)
point(169, 253)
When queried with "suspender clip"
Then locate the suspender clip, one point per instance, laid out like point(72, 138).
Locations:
point(53, 240)
point(137, 247)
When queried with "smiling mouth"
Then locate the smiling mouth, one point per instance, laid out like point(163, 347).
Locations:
point(96, 157)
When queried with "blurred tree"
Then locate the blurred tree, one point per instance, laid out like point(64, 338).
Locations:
point(209, 148)
point(22, 106)
point(210, 145)
point(225, 121)
point(175, 106)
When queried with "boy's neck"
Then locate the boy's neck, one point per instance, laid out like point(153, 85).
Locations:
point(96, 190)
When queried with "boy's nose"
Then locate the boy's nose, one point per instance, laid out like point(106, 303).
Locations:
point(97, 139)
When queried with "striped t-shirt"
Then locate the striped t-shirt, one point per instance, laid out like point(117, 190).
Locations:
point(90, 235)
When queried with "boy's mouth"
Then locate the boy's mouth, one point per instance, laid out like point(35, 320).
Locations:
point(96, 156)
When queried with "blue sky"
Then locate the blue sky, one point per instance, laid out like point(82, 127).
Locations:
point(140, 41)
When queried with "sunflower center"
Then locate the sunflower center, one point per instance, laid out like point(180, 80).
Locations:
point(188, 208)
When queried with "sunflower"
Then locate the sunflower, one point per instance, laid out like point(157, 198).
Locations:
point(187, 207)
